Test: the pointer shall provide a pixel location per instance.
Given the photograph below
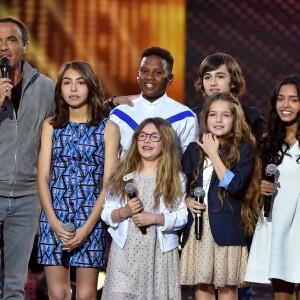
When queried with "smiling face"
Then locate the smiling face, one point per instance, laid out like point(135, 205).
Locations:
point(217, 81)
point(11, 45)
point(287, 104)
point(74, 89)
point(153, 77)
point(220, 118)
point(150, 151)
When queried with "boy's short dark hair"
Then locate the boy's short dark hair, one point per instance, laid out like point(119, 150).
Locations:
point(161, 52)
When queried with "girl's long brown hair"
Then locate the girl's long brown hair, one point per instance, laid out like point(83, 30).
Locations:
point(168, 183)
point(97, 110)
point(230, 156)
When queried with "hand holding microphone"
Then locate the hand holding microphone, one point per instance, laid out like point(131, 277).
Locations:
point(69, 227)
point(5, 66)
point(199, 194)
point(130, 190)
point(271, 171)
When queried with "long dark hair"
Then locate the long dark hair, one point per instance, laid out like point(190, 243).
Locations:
point(97, 110)
point(273, 147)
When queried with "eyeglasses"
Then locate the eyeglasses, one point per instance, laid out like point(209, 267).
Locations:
point(154, 137)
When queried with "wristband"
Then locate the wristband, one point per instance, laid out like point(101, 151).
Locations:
point(111, 102)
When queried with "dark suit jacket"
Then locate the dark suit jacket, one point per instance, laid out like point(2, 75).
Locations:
point(224, 219)
point(255, 119)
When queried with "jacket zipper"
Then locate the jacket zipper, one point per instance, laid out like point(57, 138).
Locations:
point(15, 156)
point(34, 77)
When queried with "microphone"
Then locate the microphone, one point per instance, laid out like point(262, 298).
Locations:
point(271, 171)
point(199, 194)
point(70, 227)
point(5, 66)
point(130, 190)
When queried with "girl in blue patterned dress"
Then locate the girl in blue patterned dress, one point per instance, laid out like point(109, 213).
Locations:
point(70, 173)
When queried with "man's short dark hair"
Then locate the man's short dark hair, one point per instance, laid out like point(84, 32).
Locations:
point(161, 52)
point(21, 25)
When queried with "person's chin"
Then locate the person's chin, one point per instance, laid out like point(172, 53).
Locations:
point(218, 134)
point(150, 97)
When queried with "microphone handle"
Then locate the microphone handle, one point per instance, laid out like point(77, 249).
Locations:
point(198, 221)
point(198, 225)
point(4, 105)
point(143, 228)
point(268, 199)
point(5, 74)
point(69, 226)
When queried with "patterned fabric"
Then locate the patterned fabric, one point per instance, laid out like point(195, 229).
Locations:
point(77, 171)
point(140, 271)
point(206, 262)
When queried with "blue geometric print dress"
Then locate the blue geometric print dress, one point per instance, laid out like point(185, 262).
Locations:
point(76, 177)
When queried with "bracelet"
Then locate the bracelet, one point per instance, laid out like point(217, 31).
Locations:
point(119, 210)
point(155, 221)
point(111, 102)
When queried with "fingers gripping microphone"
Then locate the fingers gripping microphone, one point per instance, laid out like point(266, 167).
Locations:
point(271, 171)
point(130, 190)
point(199, 194)
point(70, 227)
point(4, 66)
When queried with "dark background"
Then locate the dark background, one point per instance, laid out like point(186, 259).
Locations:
point(262, 35)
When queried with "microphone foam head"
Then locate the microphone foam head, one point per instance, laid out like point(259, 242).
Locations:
point(199, 192)
point(271, 169)
point(129, 188)
point(5, 62)
point(69, 226)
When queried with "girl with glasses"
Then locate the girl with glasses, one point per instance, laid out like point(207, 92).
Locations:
point(146, 266)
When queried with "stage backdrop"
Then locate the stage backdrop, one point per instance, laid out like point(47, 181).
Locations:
point(109, 34)
point(263, 35)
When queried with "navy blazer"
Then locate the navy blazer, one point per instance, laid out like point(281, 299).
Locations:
point(224, 219)
point(255, 119)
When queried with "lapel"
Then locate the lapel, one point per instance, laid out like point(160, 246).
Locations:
point(213, 179)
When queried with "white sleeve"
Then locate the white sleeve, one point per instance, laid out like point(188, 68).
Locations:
point(177, 218)
point(189, 133)
point(109, 206)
